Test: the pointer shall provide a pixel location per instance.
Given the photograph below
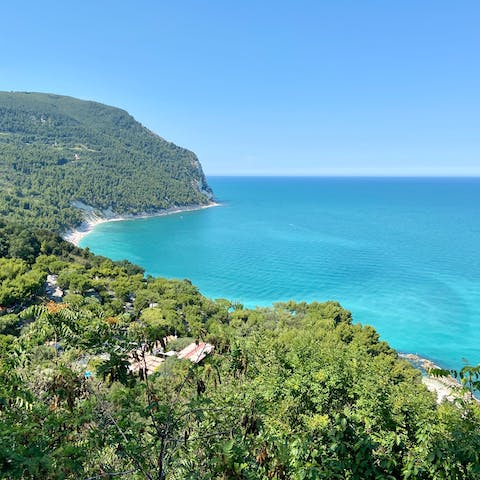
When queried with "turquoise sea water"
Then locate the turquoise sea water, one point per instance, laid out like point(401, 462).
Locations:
point(401, 254)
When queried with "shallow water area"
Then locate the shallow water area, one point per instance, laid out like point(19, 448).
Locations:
point(401, 254)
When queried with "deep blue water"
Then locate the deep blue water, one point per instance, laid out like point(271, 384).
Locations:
point(401, 254)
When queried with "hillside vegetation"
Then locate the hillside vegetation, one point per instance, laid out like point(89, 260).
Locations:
point(55, 150)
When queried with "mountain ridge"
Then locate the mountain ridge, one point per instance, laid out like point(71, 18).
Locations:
point(56, 150)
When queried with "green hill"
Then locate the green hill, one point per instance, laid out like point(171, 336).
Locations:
point(55, 150)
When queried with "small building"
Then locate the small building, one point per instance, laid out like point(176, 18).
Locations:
point(196, 352)
point(137, 362)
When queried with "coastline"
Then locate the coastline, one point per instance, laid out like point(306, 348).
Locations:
point(92, 220)
point(446, 388)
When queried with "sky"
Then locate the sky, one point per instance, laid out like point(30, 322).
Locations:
point(268, 87)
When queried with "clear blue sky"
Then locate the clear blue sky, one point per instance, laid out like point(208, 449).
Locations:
point(269, 87)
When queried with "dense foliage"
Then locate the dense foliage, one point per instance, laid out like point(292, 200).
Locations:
point(296, 391)
point(55, 150)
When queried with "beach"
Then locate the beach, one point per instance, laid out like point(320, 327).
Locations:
point(445, 387)
point(92, 220)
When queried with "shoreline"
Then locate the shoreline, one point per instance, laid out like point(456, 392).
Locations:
point(446, 388)
point(75, 235)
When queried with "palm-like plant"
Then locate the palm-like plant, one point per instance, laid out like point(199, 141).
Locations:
point(54, 321)
point(115, 368)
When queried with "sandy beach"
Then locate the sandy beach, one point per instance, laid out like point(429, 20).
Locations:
point(92, 220)
point(443, 390)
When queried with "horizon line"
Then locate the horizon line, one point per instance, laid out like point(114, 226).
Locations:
point(333, 175)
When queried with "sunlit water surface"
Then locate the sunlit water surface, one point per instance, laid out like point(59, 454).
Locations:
point(401, 254)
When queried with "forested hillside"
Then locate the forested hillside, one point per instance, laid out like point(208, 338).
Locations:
point(296, 391)
point(108, 373)
point(55, 150)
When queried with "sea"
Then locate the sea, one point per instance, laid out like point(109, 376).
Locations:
point(402, 254)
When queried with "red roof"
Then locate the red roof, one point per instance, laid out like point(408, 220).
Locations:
point(195, 352)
